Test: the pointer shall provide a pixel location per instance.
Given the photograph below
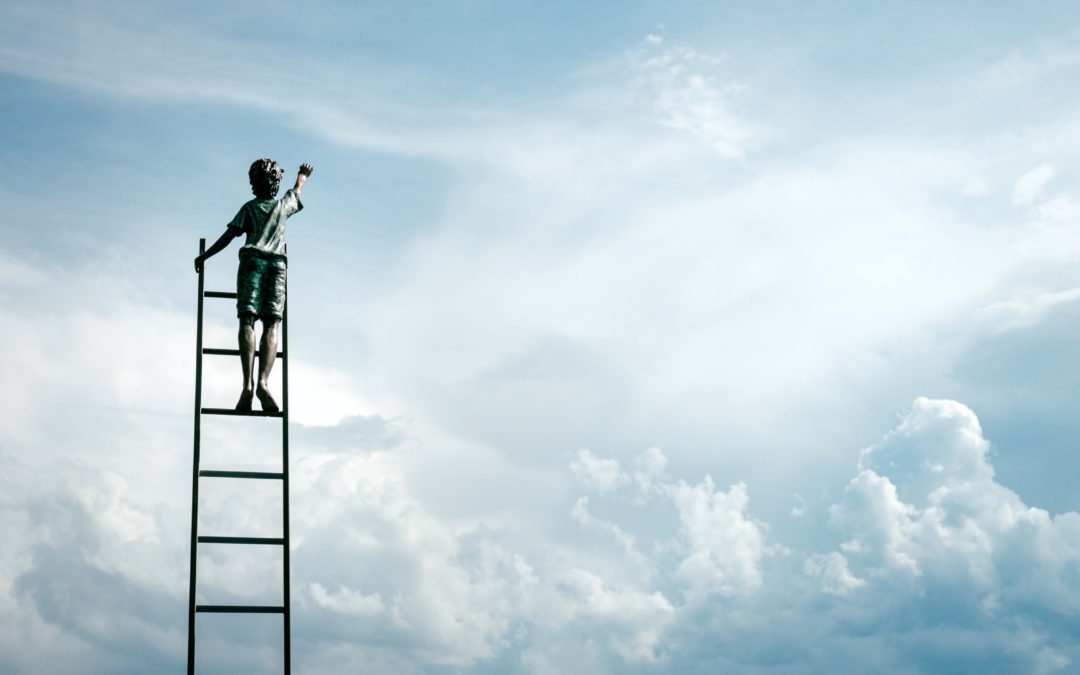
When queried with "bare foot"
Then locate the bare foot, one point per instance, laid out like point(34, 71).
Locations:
point(244, 404)
point(267, 401)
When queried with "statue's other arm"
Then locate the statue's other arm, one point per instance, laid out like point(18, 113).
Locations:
point(217, 247)
point(301, 176)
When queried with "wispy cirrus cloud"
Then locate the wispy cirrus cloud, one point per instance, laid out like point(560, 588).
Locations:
point(684, 91)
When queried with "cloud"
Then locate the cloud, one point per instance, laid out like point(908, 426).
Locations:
point(1053, 236)
point(1028, 309)
point(723, 547)
point(975, 186)
point(463, 596)
point(134, 53)
point(719, 547)
point(601, 475)
point(678, 86)
point(347, 601)
point(938, 444)
point(580, 513)
point(924, 530)
point(611, 313)
point(637, 618)
point(451, 598)
point(110, 52)
point(937, 563)
point(353, 433)
point(832, 572)
point(649, 473)
point(88, 575)
point(927, 526)
point(1029, 186)
point(1027, 66)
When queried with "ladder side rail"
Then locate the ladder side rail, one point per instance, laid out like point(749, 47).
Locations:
point(286, 602)
point(195, 468)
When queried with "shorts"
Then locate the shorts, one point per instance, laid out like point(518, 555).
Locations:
point(260, 286)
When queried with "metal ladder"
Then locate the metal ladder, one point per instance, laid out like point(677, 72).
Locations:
point(198, 473)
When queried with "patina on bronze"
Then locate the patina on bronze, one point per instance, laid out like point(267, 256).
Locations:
point(260, 276)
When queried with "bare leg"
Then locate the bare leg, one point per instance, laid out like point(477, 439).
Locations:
point(247, 361)
point(267, 354)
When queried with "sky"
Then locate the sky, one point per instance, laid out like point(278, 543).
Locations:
point(660, 338)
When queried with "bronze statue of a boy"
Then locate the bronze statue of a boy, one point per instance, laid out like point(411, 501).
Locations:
point(260, 277)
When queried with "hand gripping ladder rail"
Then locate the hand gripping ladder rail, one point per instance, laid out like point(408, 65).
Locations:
point(198, 473)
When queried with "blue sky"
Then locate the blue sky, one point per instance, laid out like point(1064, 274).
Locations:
point(668, 339)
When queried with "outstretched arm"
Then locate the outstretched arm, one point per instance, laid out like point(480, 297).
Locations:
point(217, 247)
point(301, 176)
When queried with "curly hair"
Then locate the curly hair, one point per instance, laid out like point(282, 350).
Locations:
point(265, 176)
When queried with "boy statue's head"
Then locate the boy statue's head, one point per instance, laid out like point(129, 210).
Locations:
point(265, 176)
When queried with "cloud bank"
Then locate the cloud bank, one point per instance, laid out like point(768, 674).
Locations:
point(936, 566)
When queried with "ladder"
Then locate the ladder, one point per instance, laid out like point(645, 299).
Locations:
point(197, 473)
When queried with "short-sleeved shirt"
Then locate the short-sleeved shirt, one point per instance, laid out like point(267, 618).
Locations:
point(263, 221)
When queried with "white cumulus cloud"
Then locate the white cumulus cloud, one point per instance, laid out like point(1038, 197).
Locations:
point(723, 545)
point(601, 475)
point(833, 573)
point(926, 511)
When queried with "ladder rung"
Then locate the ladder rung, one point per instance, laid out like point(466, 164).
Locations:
point(219, 294)
point(240, 609)
point(242, 474)
point(269, 541)
point(241, 413)
point(231, 352)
